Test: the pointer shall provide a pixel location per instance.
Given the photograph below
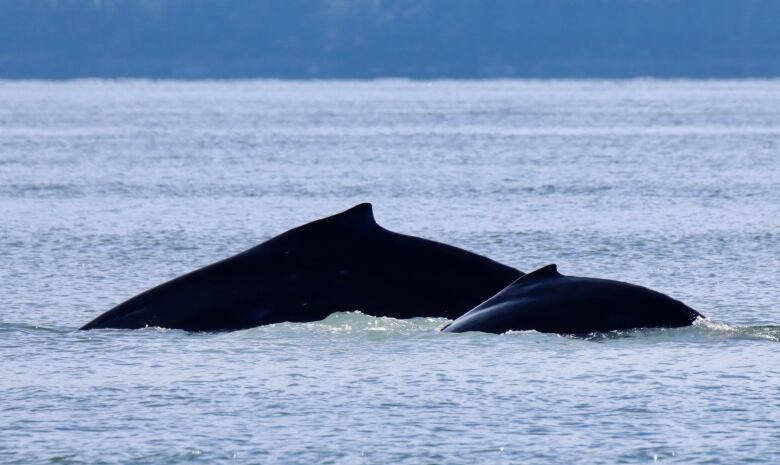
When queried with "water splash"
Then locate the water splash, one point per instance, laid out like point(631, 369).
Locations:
point(717, 328)
point(359, 324)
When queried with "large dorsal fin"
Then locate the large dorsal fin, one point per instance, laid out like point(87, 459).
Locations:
point(358, 218)
point(360, 214)
point(549, 271)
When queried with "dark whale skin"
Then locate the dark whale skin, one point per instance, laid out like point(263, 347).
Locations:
point(549, 302)
point(343, 262)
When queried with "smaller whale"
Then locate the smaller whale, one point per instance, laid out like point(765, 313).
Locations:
point(549, 302)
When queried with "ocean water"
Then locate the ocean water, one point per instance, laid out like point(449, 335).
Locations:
point(110, 187)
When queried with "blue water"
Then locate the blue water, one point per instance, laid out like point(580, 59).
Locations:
point(110, 187)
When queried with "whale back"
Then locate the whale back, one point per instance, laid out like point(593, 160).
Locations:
point(545, 300)
point(343, 262)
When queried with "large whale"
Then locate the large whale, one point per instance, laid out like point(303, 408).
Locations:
point(547, 301)
point(341, 263)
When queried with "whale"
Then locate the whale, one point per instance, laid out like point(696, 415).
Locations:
point(345, 262)
point(546, 301)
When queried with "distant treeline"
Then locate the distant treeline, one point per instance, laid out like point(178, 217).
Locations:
point(404, 38)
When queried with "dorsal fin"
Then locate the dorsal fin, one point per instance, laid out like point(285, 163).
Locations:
point(360, 214)
point(549, 271)
point(359, 219)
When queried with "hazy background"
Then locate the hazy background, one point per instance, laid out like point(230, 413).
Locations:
point(389, 38)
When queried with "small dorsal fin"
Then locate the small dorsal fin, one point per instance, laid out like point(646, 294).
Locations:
point(549, 271)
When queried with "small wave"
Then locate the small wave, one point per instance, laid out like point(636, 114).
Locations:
point(33, 329)
point(701, 329)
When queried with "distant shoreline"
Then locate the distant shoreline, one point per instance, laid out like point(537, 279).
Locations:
point(151, 79)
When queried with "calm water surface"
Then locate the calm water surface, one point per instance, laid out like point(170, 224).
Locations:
point(108, 188)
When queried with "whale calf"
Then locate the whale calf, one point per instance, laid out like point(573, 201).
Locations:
point(341, 263)
point(547, 301)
